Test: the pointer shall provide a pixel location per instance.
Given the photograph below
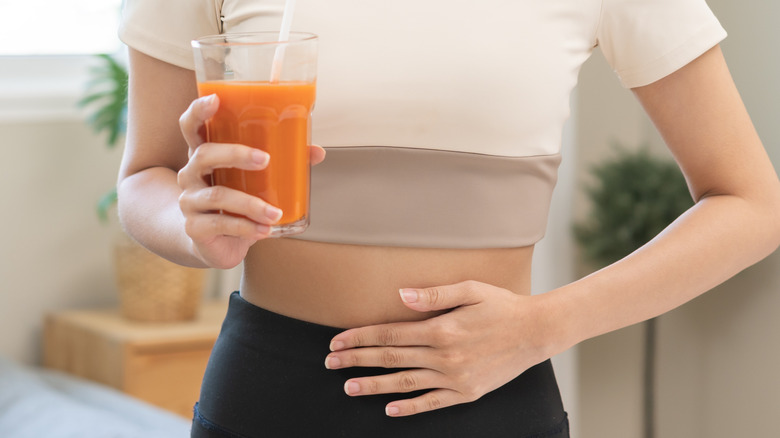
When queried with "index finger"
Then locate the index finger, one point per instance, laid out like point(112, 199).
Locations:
point(193, 121)
point(405, 334)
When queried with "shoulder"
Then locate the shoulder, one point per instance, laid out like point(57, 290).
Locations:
point(646, 40)
point(164, 29)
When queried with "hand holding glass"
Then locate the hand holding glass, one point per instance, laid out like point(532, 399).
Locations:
point(266, 91)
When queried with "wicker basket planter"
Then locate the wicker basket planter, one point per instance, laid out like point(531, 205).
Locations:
point(152, 288)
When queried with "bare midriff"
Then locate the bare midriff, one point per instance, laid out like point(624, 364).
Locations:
point(352, 286)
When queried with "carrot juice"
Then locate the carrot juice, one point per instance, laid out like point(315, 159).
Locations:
point(274, 117)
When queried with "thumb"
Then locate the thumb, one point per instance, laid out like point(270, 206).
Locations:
point(440, 297)
point(193, 121)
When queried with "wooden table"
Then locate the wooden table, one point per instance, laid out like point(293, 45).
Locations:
point(161, 363)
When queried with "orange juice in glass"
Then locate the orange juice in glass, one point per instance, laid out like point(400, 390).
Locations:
point(266, 91)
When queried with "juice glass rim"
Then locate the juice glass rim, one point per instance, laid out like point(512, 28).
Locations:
point(262, 38)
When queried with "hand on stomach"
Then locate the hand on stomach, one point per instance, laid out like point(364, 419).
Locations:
point(352, 286)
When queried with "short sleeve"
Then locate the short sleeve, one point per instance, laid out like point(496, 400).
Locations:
point(646, 40)
point(164, 29)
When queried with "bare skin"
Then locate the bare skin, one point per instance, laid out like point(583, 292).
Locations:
point(493, 329)
point(352, 286)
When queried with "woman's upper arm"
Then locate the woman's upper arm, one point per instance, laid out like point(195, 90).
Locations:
point(158, 94)
point(702, 119)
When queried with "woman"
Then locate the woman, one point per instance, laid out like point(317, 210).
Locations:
point(443, 140)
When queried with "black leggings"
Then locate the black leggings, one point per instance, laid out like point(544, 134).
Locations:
point(266, 378)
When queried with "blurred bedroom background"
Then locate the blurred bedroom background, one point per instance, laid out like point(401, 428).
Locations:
point(716, 360)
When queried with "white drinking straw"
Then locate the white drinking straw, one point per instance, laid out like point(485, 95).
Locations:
point(284, 35)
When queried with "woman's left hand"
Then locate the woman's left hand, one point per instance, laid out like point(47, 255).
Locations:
point(488, 337)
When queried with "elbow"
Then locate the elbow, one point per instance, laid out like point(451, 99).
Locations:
point(131, 213)
point(762, 210)
point(124, 197)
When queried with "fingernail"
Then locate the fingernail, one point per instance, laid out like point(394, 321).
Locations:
point(263, 229)
point(260, 157)
point(351, 387)
point(392, 410)
point(409, 295)
point(273, 213)
point(336, 345)
point(332, 362)
point(210, 99)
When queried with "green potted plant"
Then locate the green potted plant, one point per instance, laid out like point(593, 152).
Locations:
point(150, 287)
point(635, 196)
point(107, 97)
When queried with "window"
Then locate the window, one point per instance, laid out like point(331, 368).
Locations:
point(59, 27)
point(46, 50)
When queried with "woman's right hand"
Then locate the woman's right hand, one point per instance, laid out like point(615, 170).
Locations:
point(221, 240)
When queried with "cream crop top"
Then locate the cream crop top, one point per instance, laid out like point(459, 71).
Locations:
point(442, 118)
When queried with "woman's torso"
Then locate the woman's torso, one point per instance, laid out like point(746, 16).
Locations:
point(482, 98)
point(448, 100)
point(493, 79)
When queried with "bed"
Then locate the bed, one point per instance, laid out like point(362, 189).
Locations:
point(37, 402)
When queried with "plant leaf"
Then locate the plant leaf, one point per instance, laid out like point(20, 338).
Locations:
point(107, 95)
point(104, 204)
point(634, 197)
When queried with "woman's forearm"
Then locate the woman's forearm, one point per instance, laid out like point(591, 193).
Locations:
point(714, 240)
point(149, 212)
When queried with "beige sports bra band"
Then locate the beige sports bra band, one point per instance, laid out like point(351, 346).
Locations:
point(392, 196)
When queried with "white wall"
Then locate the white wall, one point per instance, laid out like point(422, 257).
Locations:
point(718, 356)
point(54, 253)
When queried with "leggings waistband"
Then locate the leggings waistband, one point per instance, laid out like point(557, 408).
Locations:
point(269, 328)
point(267, 377)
